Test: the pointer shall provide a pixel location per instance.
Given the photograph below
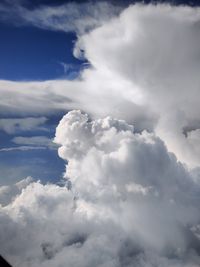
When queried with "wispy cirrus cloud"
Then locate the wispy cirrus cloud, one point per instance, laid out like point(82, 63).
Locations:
point(69, 17)
point(37, 141)
point(30, 143)
point(21, 148)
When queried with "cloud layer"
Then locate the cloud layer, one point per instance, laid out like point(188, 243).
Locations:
point(69, 17)
point(126, 202)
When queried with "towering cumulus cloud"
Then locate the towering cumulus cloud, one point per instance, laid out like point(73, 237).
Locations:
point(144, 69)
point(132, 191)
point(127, 202)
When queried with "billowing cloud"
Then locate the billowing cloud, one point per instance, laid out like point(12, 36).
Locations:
point(144, 68)
point(131, 196)
point(106, 158)
point(8, 193)
point(127, 202)
point(155, 49)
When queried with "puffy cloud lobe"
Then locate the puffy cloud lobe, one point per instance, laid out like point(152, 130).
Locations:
point(130, 204)
point(7, 193)
point(74, 124)
point(129, 171)
point(34, 223)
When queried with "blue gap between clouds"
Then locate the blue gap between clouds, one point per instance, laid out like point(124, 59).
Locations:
point(29, 53)
point(40, 164)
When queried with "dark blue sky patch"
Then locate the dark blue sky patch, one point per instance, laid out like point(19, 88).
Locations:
point(29, 53)
point(5, 140)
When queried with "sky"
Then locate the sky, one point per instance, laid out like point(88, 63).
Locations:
point(100, 133)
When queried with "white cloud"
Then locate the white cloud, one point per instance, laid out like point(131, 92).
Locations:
point(21, 148)
point(35, 97)
point(8, 193)
point(131, 203)
point(36, 141)
point(106, 158)
point(155, 49)
point(13, 125)
point(144, 69)
point(30, 143)
point(67, 17)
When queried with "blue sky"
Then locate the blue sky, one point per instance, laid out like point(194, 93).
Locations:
point(29, 54)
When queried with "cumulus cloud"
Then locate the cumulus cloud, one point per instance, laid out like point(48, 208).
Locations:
point(7, 193)
point(106, 158)
point(154, 48)
point(131, 196)
point(151, 78)
point(127, 202)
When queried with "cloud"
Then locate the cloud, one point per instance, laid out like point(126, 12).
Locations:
point(132, 193)
point(68, 17)
point(21, 148)
point(36, 141)
point(106, 158)
point(30, 143)
point(35, 97)
point(131, 203)
point(8, 193)
point(13, 125)
point(149, 80)
point(162, 73)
